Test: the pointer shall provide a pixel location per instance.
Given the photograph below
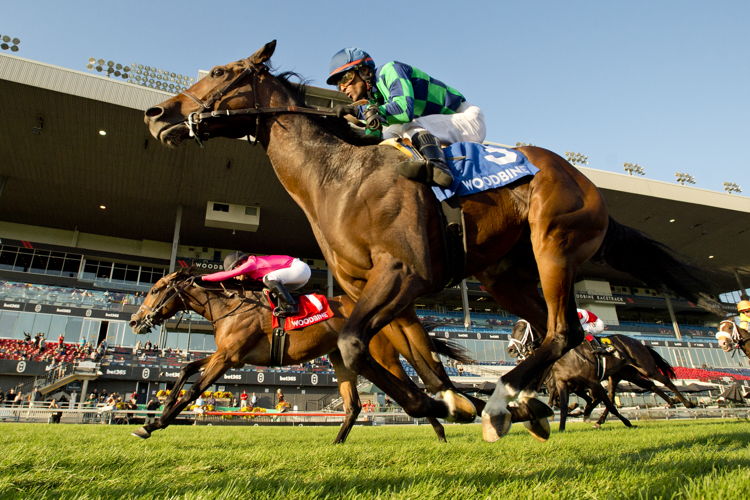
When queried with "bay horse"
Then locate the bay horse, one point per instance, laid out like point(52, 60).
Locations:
point(241, 319)
point(732, 337)
point(578, 372)
point(537, 230)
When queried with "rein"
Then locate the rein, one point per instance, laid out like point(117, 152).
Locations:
point(181, 293)
point(195, 118)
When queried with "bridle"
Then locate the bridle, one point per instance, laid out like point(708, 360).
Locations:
point(154, 316)
point(177, 289)
point(527, 344)
point(737, 338)
point(253, 70)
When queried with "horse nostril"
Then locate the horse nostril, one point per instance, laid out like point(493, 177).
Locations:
point(154, 112)
point(133, 323)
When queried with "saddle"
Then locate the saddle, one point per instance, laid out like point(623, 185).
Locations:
point(475, 168)
point(313, 308)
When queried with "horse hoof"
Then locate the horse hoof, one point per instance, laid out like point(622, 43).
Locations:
point(539, 429)
point(537, 408)
point(141, 433)
point(538, 426)
point(460, 409)
point(494, 427)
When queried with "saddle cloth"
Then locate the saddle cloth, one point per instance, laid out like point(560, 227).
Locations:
point(313, 308)
point(477, 167)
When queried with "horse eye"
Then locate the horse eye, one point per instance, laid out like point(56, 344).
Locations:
point(217, 72)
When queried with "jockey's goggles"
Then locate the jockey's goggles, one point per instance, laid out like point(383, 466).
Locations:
point(347, 78)
point(745, 311)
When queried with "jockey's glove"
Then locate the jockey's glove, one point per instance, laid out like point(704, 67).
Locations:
point(342, 110)
point(372, 118)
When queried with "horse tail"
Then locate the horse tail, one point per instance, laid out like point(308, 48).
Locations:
point(629, 250)
point(452, 350)
point(662, 364)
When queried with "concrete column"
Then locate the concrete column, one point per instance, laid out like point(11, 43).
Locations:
point(675, 326)
point(329, 282)
point(175, 239)
point(465, 304)
point(84, 392)
point(743, 290)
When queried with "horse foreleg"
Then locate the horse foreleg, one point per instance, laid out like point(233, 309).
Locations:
point(215, 367)
point(347, 382)
point(384, 352)
point(611, 389)
point(522, 299)
point(407, 335)
point(389, 289)
point(563, 395)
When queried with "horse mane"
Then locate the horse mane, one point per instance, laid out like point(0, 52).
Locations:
point(335, 126)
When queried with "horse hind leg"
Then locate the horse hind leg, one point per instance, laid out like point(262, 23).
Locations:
point(599, 393)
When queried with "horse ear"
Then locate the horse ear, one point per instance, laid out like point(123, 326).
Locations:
point(264, 54)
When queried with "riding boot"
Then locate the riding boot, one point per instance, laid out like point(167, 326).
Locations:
point(286, 305)
point(433, 169)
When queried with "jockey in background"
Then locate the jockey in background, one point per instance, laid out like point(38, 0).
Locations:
point(743, 307)
point(412, 105)
point(592, 324)
point(279, 273)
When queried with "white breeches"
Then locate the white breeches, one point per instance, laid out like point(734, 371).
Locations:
point(595, 327)
point(293, 277)
point(466, 125)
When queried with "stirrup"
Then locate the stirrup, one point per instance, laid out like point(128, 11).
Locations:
point(285, 311)
point(441, 175)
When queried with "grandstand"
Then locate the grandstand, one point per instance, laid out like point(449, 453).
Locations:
point(93, 211)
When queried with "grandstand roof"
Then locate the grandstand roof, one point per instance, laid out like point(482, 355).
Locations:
point(57, 170)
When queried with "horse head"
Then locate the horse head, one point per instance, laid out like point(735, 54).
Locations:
point(523, 340)
point(217, 105)
point(162, 302)
point(730, 336)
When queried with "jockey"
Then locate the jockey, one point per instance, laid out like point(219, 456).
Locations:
point(412, 105)
point(743, 307)
point(592, 324)
point(277, 272)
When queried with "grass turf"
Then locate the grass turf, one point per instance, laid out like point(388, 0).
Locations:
point(673, 459)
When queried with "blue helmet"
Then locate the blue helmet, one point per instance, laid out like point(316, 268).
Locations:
point(346, 59)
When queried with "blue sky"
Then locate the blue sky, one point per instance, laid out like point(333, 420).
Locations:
point(660, 83)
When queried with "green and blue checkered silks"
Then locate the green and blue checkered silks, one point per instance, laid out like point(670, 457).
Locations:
point(403, 93)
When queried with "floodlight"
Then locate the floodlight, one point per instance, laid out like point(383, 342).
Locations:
point(683, 178)
point(110, 68)
point(160, 79)
point(9, 43)
point(732, 187)
point(576, 158)
point(633, 168)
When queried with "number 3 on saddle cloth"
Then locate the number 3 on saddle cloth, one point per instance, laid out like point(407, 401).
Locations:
point(476, 167)
point(313, 308)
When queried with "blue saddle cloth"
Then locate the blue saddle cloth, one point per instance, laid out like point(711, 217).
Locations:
point(478, 167)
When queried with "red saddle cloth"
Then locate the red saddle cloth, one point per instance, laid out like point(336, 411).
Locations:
point(313, 308)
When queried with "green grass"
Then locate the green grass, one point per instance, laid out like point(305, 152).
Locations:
point(691, 460)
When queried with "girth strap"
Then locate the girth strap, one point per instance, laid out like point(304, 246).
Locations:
point(278, 341)
point(454, 241)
